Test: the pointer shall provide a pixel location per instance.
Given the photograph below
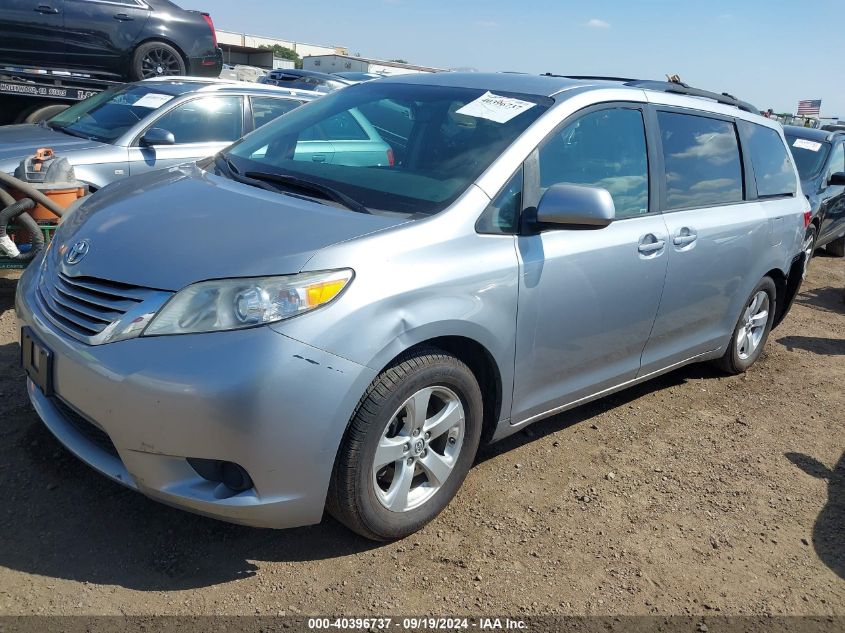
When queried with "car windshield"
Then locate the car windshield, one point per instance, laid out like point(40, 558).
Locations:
point(108, 115)
point(809, 155)
point(394, 147)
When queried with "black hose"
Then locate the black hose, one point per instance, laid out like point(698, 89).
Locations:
point(31, 192)
point(26, 221)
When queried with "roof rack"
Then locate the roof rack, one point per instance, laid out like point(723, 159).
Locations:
point(674, 87)
point(683, 89)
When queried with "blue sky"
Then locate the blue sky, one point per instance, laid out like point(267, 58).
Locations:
point(769, 53)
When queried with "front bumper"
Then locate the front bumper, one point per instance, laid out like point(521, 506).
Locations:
point(275, 406)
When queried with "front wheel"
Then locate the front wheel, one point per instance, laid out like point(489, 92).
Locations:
point(409, 447)
point(751, 330)
point(809, 247)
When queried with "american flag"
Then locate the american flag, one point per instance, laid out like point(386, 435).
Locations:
point(809, 107)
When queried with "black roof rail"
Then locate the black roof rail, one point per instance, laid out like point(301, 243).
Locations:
point(683, 89)
point(674, 87)
point(588, 77)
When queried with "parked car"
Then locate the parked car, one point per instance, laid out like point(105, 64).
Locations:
point(129, 39)
point(356, 77)
point(149, 125)
point(304, 80)
point(820, 158)
point(344, 336)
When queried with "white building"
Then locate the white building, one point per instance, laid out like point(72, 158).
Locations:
point(242, 48)
point(341, 62)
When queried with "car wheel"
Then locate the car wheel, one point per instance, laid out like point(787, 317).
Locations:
point(156, 59)
point(751, 330)
point(44, 113)
point(809, 247)
point(837, 247)
point(409, 446)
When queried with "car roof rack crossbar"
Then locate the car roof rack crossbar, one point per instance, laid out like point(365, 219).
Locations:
point(674, 87)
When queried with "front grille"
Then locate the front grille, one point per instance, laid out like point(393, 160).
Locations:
point(85, 306)
point(88, 430)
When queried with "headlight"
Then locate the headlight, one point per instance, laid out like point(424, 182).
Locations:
point(233, 304)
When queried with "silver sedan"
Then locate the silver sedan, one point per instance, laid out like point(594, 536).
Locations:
point(149, 125)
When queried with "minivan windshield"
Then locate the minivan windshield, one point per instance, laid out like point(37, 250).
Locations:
point(394, 147)
point(809, 156)
point(105, 117)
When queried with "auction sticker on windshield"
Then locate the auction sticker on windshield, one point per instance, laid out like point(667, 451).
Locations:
point(805, 144)
point(495, 108)
point(152, 100)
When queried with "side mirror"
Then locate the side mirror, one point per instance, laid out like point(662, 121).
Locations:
point(837, 179)
point(158, 136)
point(576, 206)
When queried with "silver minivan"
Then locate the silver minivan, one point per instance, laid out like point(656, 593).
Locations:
point(258, 337)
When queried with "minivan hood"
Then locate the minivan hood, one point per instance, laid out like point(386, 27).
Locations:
point(171, 228)
point(21, 141)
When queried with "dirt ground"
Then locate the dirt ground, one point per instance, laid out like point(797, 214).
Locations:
point(692, 494)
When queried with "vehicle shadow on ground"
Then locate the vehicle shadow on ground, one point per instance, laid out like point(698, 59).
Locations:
point(591, 410)
point(815, 344)
point(829, 299)
point(827, 531)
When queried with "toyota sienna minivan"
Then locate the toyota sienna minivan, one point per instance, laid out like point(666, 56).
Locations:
point(263, 335)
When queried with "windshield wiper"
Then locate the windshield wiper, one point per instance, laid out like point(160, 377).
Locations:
point(295, 182)
point(65, 130)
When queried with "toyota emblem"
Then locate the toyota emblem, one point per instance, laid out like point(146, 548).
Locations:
point(77, 252)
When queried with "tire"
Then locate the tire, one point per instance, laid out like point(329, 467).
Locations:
point(836, 247)
point(369, 499)
point(43, 113)
point(743, 351)
point(156, 59)
point(809, 247)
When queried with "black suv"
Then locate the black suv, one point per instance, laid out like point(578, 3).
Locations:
point(126, 39)
point(820, 158)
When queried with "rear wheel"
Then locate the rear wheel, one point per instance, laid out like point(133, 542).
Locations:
point(751, 330)
point(156, 59)
point(409, 447)
point(837, 247)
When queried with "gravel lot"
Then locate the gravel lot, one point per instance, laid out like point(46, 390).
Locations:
point(692, 494)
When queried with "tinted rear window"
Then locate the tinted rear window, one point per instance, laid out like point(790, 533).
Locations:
point(809, 155)
point(772, 166)
point(702, 161)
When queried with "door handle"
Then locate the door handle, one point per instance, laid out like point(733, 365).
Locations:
point(649, 244)
point(318, 158)
point(123, 17)
point(685, 237)
point(46, 9)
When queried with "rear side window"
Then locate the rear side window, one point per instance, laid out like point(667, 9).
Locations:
point(772, 167)
point(702, 162)
point(265, 109)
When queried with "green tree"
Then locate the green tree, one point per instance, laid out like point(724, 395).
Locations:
point(283, 52)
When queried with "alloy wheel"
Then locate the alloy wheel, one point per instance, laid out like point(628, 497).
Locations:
point(418, 449)
point(753, 325)
point(160, 62)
